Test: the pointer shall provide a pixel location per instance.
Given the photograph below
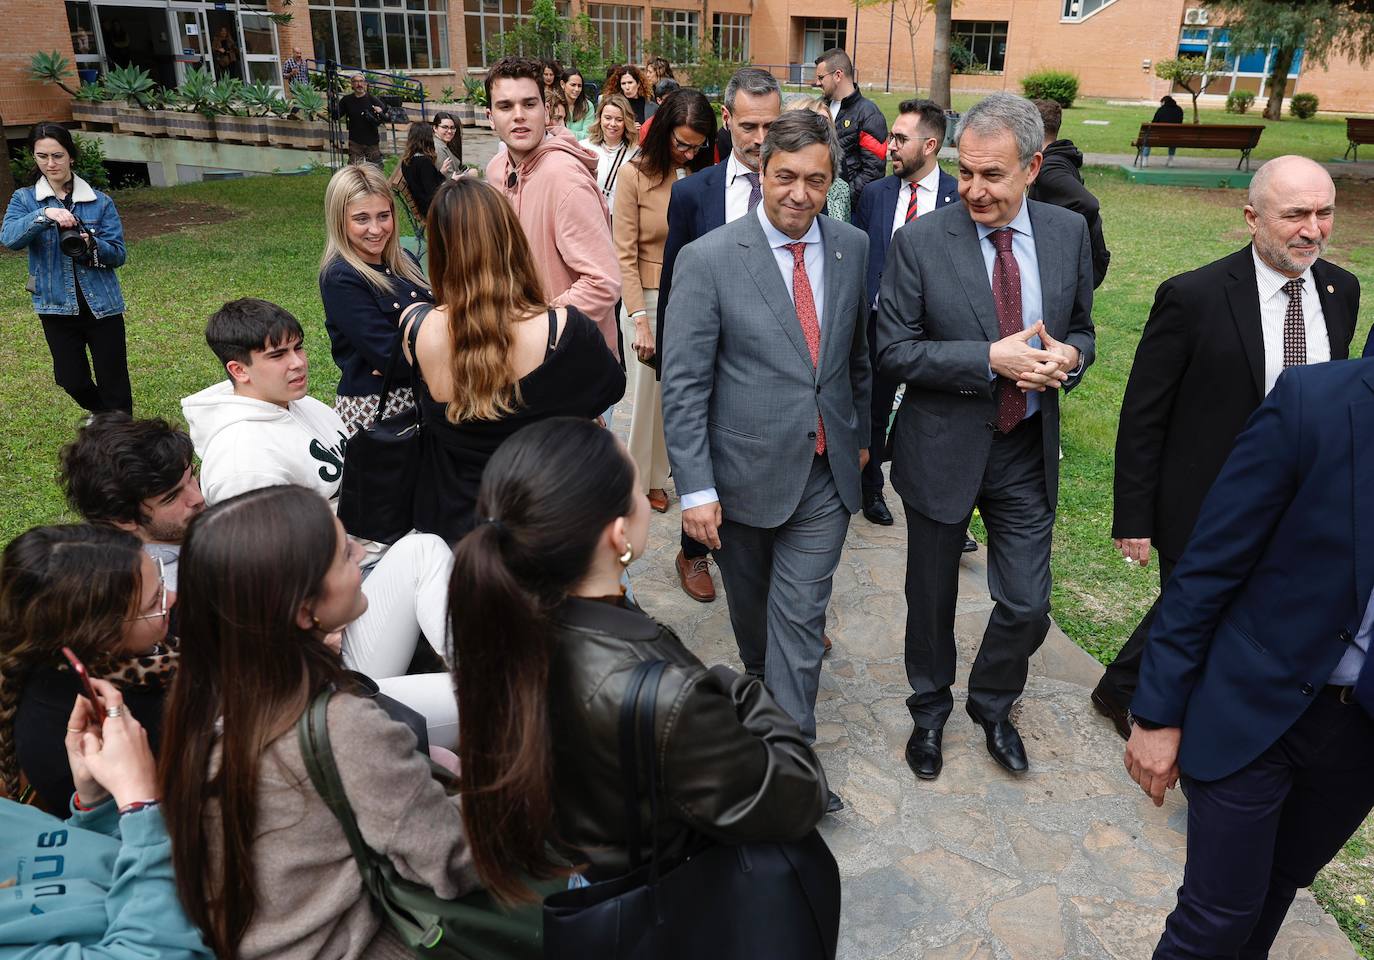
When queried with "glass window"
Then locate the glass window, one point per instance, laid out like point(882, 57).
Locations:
point(620, 28)
point(346, 23)
point(396, 42)
point(82, 27)
point(682, 24)
point(419, 42)
point(820, 34)
point(1078, 9)
point(265, 71)
point(257, 34)
point(986, 40)
point(730, 35)
point(374, 47)
point(322, 35)
point(486, 19)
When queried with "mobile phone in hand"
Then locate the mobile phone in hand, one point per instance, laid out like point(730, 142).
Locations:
point(79, 668)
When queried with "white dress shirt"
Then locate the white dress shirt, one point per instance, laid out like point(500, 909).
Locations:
point(1352, 661)
point(1032, 308)
point(927, 195)
point(814, 258)
point(737, 188)
point(1274, 306)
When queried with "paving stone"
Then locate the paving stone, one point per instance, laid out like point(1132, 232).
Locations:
point(1029, 927)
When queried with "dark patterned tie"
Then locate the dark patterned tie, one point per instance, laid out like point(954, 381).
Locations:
point(1006, 294)
point(755, 195)
point(1294, 329)
point(911, 205)
point(806, 313)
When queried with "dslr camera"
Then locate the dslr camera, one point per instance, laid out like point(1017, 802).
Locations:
point(70, 241)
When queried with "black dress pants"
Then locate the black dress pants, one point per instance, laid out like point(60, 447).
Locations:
point(1256, 836)
point(880, 412)
point(69, 338)
point(1118, 681)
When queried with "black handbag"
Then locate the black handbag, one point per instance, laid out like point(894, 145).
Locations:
point(727, 901)
point(382, 461)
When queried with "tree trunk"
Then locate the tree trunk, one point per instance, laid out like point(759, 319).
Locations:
point(939, 65)
point(6, 177)
point(1278, 80)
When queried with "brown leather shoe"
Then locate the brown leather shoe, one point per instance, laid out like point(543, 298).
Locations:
point(658, 500)
point(826, 638)
point(695, 575)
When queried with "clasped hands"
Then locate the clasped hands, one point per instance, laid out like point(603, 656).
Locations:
point(1044, 369)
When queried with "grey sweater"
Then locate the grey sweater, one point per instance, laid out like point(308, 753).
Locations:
point(311, 901)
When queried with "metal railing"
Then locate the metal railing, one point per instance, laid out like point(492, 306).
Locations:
point(384, 85)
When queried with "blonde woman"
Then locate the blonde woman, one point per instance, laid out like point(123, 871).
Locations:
point(366, 281)
point(838, 200)
point(679, 143)
point(612, 138)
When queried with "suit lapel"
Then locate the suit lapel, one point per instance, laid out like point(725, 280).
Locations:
point(763, 266)
point(1050, 264)
point(1362, 462)
point(949, 191)
point(1243, 296)
point(833, 258)
point(1339, 328)
point(713, 210)
point(887, 210)
point(967, 262)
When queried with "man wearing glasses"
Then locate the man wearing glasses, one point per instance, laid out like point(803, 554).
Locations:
point(861, 126)
point(916, 188)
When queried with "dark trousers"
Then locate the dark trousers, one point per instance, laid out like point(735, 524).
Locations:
point(1258, 835)
point(1119, 679)
point(69, 338)
point(693, 548)
point(884, 392)
point(1019, 521)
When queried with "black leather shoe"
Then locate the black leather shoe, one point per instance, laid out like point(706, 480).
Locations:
point(970, 545)
point(1119, 716)
point(876, 511)
point(923, 752)
point(1004, 743)
point(833, 804)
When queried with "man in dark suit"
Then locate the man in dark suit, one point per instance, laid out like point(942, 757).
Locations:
point(917, 187)
point(1214, 344)
point(699, 204)
point(1256, 688)
point(773, 306)
point(985, 313)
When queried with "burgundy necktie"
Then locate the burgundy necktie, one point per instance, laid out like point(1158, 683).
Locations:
point(1006, 294)
point(911, 205)
point(806, 313)
point(1294, 329)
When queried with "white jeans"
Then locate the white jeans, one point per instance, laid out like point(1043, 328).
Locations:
point(407, 592)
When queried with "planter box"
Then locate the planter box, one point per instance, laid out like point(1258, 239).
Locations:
point(137, 121)
point(467, 114)
point(300, 134)
point(103, 112)
point(189, 126)
point(250, 130)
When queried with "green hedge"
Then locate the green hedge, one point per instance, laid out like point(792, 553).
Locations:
point(1054, 85)
point(1303, 106)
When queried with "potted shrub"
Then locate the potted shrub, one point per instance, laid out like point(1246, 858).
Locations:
point(474, 101)
point(191, 114)
point(301, 124)
point(133, 86)
point(92, 105)
point(231, 125)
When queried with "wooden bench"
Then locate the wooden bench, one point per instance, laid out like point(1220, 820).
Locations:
point(1358, 130)
point(1198, 136)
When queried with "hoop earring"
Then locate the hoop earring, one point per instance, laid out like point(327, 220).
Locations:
point(627, 556)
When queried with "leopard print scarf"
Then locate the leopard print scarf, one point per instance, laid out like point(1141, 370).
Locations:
point(147, 671)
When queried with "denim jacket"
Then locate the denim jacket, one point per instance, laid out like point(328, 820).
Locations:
point(54, 279)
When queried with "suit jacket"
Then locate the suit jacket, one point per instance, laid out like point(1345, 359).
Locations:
point(936, 320)
point(696, 206)
point(1198, 376)
point(740, 395)
point(877, 206)
point(1276, 578)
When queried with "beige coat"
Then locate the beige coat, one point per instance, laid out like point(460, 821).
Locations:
point(640, 228)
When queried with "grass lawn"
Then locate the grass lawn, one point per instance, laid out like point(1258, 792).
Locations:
point(263, 237)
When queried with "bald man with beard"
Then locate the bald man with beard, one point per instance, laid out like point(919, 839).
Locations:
point(1216, 340)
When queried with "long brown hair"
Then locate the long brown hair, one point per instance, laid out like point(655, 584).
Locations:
point(61, 586)
point(546, 496)
point(485, 280)
point(247, 668)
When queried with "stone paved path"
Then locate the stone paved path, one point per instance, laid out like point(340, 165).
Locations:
point(1070, 861)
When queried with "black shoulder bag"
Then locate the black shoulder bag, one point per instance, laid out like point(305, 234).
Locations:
point(726, 902)
point(382, 460)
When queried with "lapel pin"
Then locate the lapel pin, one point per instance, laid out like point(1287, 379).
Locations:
point(838, 255)
point(1330, 288)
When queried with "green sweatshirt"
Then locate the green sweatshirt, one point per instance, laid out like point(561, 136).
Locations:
point(97, 886)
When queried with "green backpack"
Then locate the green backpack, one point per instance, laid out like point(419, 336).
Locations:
point(474, 927)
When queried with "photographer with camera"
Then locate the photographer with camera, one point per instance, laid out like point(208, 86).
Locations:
point(364, 115)
point(75, 242)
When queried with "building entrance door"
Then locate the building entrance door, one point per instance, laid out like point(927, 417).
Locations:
point(192, 45)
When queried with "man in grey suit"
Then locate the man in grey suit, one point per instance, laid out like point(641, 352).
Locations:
point(766, 406)
point(985, 313)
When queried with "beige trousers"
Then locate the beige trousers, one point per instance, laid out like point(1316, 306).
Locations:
point(648, 449)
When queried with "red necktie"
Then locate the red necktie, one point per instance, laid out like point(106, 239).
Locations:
point(911, 205)
point(1006, 294)
point(806, 313)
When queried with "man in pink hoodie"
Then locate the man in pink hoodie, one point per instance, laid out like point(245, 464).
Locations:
point(550, 180)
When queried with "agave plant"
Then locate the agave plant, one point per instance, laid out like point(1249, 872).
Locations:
point(196, 91)
point(224, 95)
point(92, 93)
point(257, 98)
point(475, 91)
point(130, 84)
point(308, 102)
point(51, 68)
point(446, 94)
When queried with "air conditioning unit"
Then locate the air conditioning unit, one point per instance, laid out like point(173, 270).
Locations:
point(1195, 16)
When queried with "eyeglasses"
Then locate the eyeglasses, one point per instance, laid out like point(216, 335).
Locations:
point(162, 595)
point(690, 149)
point(901, 139)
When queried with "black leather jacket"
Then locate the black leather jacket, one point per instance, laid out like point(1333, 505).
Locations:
point(733, 767)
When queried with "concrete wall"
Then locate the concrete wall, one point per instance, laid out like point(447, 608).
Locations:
point(180, 161)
